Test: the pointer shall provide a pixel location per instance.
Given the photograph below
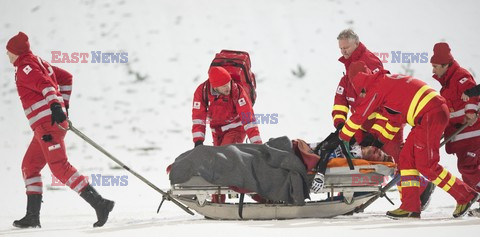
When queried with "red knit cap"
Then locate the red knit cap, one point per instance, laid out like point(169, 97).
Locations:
point(218, 76)
point(441, 54)
point(357, 74)
point(19, 44)
point(357, 67)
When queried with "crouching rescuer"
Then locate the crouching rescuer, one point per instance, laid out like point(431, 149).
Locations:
point(426, 111)
point(44, 91)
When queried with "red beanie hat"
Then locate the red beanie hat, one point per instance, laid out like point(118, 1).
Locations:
point(355, 70)
point(19, 44)
point(357, 67)
point(441, 54)
point(218, 76)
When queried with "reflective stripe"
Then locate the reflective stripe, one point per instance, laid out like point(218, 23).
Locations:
point(415, 106)
point(452, 180)
point(392, 128)
point(40, 115)
point(230, 126)
point(198, 121)
point(198, 134)
point(37, 179)
point(80, 186)
point(72, 178)
point(457, 113)
point(347, 132)
point(249, 125)
point(409, 172)
point(353, 125)
point(342, 108)
point(466, 135)
point(66, 97)
point(37, 189)
point(376, 115)
point(439, 179)
point(255, 139)
point(383, 131)
point(339, 116)
point(48, 89)
point(471, 107)
point(65, 88)
point(51, 97)
point(35, 106)
point(410, 183)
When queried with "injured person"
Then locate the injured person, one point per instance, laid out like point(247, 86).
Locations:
point(281, 170)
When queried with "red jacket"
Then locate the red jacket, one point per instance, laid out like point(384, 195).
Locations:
point(223, 112)
point(39, 85)
point(454, 82)
point(345, 96)
point(405, 105)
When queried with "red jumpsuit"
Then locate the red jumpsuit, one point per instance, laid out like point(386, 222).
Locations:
point(346, 99)
point(231, 117)
point(465, 145)
point(411, 101)
point(39, 85)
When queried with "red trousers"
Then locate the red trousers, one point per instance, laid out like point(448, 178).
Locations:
point(468, 164)
point(231, 136)
point(47, 147)
point(420, 154)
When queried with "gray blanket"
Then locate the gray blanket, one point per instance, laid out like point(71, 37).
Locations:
point(272, 170)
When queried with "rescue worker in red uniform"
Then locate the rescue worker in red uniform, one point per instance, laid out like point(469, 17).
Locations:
point(376, 130)
point(455, 80)
point(346, 99)
point(228, 109)
point(409, 100)
point(44, 91)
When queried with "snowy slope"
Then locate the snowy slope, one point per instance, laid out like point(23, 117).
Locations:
point(146, 123)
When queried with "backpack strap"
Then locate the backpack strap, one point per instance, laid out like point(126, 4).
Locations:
point(206, 89)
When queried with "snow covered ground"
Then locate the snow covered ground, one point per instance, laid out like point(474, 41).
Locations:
point(141, 111)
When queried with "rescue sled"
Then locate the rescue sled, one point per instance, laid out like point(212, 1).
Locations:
point(357, 186)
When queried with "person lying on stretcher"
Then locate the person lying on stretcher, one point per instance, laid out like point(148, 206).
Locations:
point(326, 150)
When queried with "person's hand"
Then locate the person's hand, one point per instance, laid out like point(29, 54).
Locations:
point(465, 97)
point(198, 143)
point(318, 183)
point(58, 116)
point(370, 140)
point(470, 118)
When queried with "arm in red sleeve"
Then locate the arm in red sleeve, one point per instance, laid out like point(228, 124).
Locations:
point(471, 106)
point(31, 77)
point(340, 104)
point(366, 107)
point(65, 81)
point(244, 108)
point(199, 114)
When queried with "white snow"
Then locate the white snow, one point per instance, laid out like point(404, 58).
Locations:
point(146, 124)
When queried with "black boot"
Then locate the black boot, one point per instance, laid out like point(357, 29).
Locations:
point(426, 195)
point(32, 218)
point(101, 205)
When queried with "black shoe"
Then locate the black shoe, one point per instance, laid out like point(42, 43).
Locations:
point(426, 195)
point(101, 205)
point(32, 218)
point(462, 209)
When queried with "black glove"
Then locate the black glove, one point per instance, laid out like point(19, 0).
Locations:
point(198, 143)
point(57, 113)
point(370, 140)
point(339, 127)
